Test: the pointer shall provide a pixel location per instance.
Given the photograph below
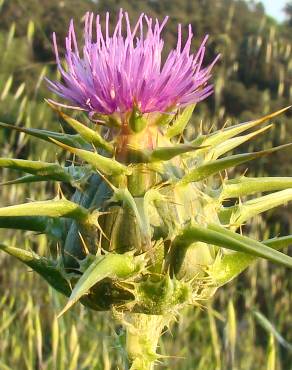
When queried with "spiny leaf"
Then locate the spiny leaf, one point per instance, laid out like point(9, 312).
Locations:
point(232, 143)
point(108, 166)
point(211, 168)
point(114, 266)
point(254, 247)
point(51, 171)
point(218, 235)
point(165, 118)
point(222, 135)
point(44, 225)
point(25, 179)
point(46, 268)
point(33, 223)
point(89, 135)
point(167, 153)
point(76, 175)
point(143, 206)
point(49, 208)
point(250, 185)
point(180, 122)
point(238, 214)
point(230, 265)
point(159, 154)
point(73, 140)
point(279, 243)
point(137, 207)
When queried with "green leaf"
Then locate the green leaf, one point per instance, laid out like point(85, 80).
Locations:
point(33, 223)
point(250, 185)
point(167, 153)
point(76, 175)
point(108, 166)
point(89, 135)
point(44, 267)
point(44, 225)
point(211, 168)
point(143, 210)
point(279, 243)
point(164, 118)
point(218, 235)
point(49, 208)
point(232, 143)
point(252, 246)
point(25, 179)
point(221, 136)
point(180, 122)
point(114, 266)
point(137, 206)
point(158, 154)
point(41, 169)
point(238, 214)
point(230, 265)
point(73, 140)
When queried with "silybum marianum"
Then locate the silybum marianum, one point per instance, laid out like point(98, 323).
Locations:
point(147, 230)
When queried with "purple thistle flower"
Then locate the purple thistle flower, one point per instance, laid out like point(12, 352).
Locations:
point(117, 72)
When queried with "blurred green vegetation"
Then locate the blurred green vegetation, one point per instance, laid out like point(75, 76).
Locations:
point(252, 78)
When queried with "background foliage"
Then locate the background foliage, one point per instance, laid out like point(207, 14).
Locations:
point(253, 77)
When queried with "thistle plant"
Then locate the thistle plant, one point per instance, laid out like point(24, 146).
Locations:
point(154, 223)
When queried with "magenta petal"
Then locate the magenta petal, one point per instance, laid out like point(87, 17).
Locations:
point(117, 71)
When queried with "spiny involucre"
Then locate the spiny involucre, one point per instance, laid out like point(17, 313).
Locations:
point(146, 231)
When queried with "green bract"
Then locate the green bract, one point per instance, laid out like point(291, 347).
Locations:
point(147, 230)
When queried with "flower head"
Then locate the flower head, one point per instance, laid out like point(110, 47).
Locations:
point(115, 73)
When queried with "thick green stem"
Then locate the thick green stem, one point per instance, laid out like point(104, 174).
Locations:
point(142, 335)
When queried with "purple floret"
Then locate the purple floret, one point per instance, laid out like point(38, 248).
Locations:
point(116, 72)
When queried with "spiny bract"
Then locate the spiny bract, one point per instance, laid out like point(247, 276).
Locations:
point(147, 230)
